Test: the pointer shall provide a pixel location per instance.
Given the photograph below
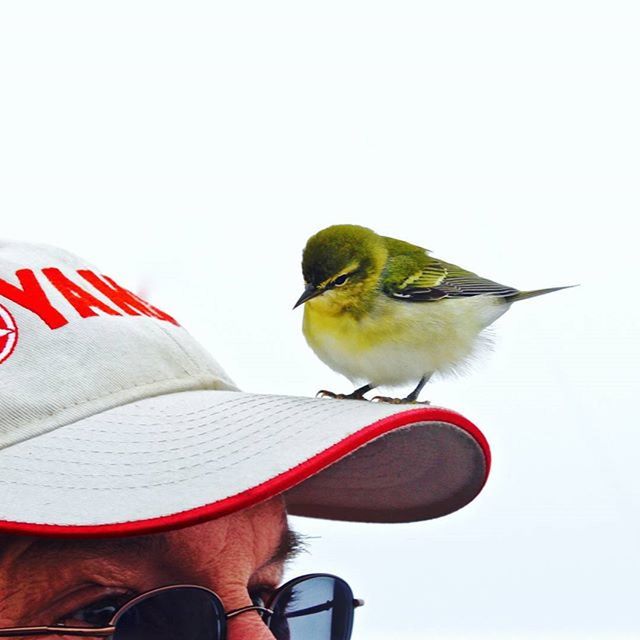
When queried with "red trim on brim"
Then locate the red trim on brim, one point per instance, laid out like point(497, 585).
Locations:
point(268, 489)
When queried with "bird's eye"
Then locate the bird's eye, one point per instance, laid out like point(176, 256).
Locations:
point(340, 280)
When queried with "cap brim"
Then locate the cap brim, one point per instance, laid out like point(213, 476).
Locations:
point(183, 458)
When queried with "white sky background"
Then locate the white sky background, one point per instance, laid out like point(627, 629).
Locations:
point(190, 148)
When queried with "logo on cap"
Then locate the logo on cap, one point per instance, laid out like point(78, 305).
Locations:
point(8, 334)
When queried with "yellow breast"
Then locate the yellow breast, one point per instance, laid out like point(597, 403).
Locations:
point(322, 323)
point(397, 341)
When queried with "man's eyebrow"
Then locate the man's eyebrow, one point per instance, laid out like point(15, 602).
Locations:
point(289, 546)
point(41, 547)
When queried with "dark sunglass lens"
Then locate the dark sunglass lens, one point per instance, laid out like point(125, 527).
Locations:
point(316, 608)
point(179, 613)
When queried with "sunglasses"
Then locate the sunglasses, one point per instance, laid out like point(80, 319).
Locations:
point(317, 606)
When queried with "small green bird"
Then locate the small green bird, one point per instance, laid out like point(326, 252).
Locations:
point(384, 312)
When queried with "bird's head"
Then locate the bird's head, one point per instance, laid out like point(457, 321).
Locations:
point(342, 264)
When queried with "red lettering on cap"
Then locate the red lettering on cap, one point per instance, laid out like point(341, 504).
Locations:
point(32, 297)
point(82, 301)
point(129, 302)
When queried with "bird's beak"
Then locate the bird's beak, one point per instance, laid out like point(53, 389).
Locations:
point(309, 292)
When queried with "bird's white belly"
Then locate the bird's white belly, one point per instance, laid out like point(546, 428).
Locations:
point(400, 342)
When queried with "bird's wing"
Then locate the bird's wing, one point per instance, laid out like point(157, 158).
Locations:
point(433, 279)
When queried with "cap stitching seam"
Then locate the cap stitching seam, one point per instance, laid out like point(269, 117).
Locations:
point(86, 400)
point(174, 481)
point(196, 365)
point(237, 401)
point(193, 427)
point(171, 450)
point(169, 430)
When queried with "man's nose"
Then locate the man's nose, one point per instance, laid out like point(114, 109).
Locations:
point(248, 626)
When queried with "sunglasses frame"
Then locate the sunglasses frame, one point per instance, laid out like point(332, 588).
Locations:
point(109, 630)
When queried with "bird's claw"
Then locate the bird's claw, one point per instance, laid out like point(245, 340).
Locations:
point(388, 400)
point(323, 393)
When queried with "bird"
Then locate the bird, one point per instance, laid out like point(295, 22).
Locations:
point(385, 312)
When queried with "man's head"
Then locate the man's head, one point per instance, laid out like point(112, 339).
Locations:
point(121, 434)
point(241, 557)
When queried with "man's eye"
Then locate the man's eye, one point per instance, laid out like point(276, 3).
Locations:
point(261, 596)
point(98, 613)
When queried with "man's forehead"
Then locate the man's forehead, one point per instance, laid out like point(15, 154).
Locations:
point(14, 548)
point(24, 546)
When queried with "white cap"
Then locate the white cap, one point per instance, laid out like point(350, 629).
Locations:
point(114, 421)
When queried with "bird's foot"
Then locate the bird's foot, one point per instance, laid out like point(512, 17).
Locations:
point(323, 393)
point(407, 400)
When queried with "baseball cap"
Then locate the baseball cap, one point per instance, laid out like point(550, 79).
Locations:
point(115, 421)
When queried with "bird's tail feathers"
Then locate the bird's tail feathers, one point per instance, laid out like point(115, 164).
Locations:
point(524, 295)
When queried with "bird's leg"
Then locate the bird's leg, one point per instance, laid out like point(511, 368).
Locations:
point(358, 394)
point(412, 398)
